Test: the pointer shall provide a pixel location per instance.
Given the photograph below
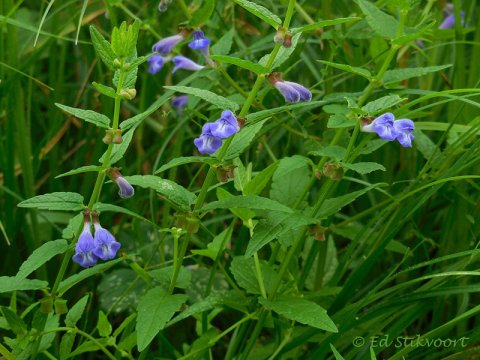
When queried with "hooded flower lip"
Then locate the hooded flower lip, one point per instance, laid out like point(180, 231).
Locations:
point(106, 246)
point(390, 129)
point(156, 63)
point(404, 128)
point(182, 62)
point(226, 126)
point(84, 250)
point(207, 143)
point(200, 42)
point(383, 126)
point(165, 45)
point(179, 103)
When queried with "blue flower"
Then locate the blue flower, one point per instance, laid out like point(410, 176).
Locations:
point(180, 102)
point(84, 250)
point(449, 21)
point(225, 126)
point(207, 143)
point(156, 63)
point(403, 128)
point(293, 92)
point(383, 126)
point(125, 190)
point(200, 42)
point(166, 45)
point(182, 62)
point(106, 246)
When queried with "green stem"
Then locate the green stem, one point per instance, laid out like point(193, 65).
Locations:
point(178, 259)
point(258, 270)
point(184, 8)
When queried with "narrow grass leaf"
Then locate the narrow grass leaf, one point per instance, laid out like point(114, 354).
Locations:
point(214, 99)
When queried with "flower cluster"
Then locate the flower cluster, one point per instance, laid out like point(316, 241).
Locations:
point(213, 133)
point(164, 47)
point(390, 129)
point(91, 248)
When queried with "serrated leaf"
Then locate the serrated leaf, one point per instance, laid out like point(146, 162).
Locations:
point(173, 192)
point(88, 168)
point(224, 44)
point(202, 14)
point(165, 276)
point(333, 151)
point(364, 167)
point(395, 75)
point(105, 90)
point(76, 312)
point(102, 47)
point(260, 181)
point(301, 310)
point(214, 99)
point(289, 180)
point(351, 69)
point(322, 24)
point(383, 24)
point(215, 246)
point(337, 121)
point(17, 325)
point(244, 272)
point(243, 139)
point(252, 202)
point(155, 309)
point(244, 64)
point(41, 255)
point(382, 105)
point(61, 201)
point(90, 116)
point(13, 283)
point(187, 160)
point(260, 12)
point(283, 54)
point(101, 207)
point(66, 345)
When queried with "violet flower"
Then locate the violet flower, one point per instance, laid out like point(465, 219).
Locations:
point(156, 63)
point(125, 190)
point(226, 126)
point(383, 126)
point(207, 143)
point(449, 21)
point(180, 102)
point(182, 62)
point(106, 247)
point(200, 42)
point(84, 249)
point(165, 46)
point(403, 129)
point(291, 91)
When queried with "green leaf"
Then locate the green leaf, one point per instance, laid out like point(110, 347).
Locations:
point(291, 177)
point(203, 14)
point(224, 44)
point(364, 167)
point(66, 345)
point(217, 100)
point(322, 24)
point(187, 160)
point(383, 24)
point(260, 181)
point(155, 308)
point(17, 325)
point(333, 205)
point(337, 121)
point(73, 226)
point(102, 47)
point(382, 105)
point(301, 310)
point(173, 192)
point(243, 139)
point(260, 12)
point(336, 353)
point(244, 64)
point(351, 69)
point(392, 76)
point(103, 325)
point(13, 283)
point(105, 90)
point(66, 201)
point(333, 151)
point(243, 270)
point(41, 255)
point(247, 202)
point(101, 207)
point(76, 312)
point(66, 284)
point(373, 145)
point(90, 116)
point(80, 170)
point(165, 276)
point(216, 246)
point(263, 114)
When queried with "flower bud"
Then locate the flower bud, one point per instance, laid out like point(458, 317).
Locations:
point(117, 63)
point(333, 171)
point(279, 37)
point(287, 42)
point(46, 305)
point(60, 306)
point(108, 138)
point(128, 94)
point(117, 138)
